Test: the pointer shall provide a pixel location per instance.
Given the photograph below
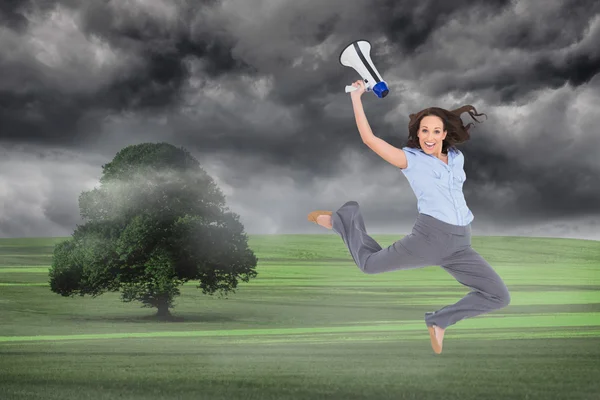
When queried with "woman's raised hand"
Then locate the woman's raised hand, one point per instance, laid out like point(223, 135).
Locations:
point(361, 88)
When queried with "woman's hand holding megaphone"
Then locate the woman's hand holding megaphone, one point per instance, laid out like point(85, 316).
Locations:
point(360, 89)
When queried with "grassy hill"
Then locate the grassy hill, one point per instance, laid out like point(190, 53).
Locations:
point(311, 325)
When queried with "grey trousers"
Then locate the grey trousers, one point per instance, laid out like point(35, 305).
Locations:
point(431, 242)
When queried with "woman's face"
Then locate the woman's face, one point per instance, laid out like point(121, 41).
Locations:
point(431, 134)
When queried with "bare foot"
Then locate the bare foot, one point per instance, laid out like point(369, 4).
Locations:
point(436, 335)
point(439, 334)
point(325, 221)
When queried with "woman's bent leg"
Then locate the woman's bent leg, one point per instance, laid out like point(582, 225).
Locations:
point(369, 256)
point(489, 291)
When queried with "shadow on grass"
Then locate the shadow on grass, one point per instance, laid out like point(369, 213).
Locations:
point(153, 318)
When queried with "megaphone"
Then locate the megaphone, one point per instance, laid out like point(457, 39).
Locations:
point(357, 55)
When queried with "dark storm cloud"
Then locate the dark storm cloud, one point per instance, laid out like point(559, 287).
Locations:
point(10, 14)
point(163, 46)
point(143, 69)
point(408, 25)
point(255, 90)
point(540, 191)
point(506, 56)
point(158, 46)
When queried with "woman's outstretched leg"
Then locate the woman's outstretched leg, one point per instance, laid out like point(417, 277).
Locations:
point(369, 256)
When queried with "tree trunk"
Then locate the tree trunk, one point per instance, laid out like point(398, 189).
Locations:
point(163, 307)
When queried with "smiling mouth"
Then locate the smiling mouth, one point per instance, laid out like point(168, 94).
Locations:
point(429, 145)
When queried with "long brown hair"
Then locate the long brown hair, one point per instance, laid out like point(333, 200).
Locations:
point(457, 132)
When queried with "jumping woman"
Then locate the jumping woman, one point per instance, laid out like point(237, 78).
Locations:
point(441, 234)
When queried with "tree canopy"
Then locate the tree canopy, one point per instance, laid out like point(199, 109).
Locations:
point(156, 221)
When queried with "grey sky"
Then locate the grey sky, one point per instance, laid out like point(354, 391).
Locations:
point(255, 91)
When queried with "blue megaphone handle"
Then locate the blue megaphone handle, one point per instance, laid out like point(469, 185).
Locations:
point(381, 89)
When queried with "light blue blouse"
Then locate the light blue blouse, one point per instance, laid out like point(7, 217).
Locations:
point(438, 186)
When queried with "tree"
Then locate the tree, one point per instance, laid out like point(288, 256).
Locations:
point(157, 221)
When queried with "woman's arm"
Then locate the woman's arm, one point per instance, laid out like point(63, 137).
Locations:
point(389, 153)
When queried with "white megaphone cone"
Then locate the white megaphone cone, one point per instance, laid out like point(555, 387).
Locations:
point(358, 56)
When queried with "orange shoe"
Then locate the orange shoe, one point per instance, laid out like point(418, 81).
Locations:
point(313, 215)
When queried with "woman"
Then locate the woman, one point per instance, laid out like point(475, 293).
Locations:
point(442, 231)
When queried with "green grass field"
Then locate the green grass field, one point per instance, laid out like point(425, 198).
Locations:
point(311, 326)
